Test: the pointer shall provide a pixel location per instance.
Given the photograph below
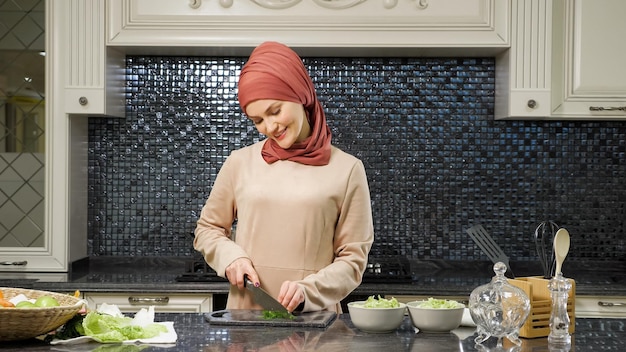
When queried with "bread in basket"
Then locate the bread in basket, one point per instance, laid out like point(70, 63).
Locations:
point(25, 323)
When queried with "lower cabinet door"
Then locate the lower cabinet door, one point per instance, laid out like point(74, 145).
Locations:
point(600, 306)
point(162, 302)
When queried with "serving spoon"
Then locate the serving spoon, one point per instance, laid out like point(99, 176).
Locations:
point(561, 248)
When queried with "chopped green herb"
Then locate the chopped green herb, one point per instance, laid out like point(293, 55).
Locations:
point(272, 314)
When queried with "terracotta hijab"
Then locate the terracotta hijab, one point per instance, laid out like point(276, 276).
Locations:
point(274, 71)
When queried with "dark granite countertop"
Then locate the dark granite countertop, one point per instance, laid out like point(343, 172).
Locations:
point(158, 274)
point(195, 334)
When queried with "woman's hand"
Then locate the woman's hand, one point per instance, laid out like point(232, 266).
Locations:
point(236, 271)
point(290, 295)
point(293, 343)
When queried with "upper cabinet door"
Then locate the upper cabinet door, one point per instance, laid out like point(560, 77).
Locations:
point(588, 65)
point(338, 24)
point(92, 75)
point(566, 61)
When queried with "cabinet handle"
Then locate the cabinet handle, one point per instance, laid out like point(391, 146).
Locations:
point(610, 304)
point(161, 301)
point(195, 4)
point(22, 263)
point(83, 101)
point(609, 108)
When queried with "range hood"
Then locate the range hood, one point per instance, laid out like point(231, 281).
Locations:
point(314, 28)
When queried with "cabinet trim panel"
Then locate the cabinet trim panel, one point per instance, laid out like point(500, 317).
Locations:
point(364, 23)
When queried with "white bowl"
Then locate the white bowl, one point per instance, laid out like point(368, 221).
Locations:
point(377, 320)
point(435, 319)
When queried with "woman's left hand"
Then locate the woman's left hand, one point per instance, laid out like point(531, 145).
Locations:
point(290, 295)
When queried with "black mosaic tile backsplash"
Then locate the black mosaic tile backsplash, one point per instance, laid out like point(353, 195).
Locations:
point(436, 159)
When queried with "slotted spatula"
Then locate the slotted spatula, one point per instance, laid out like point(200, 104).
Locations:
point(484, 240)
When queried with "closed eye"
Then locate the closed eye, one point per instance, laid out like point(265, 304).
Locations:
point(275, 112)
point(272, 110)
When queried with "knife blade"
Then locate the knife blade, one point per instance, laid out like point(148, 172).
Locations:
point(264, 299)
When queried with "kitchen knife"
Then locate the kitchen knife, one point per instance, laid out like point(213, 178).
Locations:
point(263, 298)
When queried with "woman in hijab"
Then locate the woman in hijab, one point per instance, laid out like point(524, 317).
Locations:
point(302, 206)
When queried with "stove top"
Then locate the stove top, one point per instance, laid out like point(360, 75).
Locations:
point(393, 269)
point(199, 271)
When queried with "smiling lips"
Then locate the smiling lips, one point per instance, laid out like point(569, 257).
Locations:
point(280, 135)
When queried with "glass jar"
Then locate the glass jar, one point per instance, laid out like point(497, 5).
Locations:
point(499, 309)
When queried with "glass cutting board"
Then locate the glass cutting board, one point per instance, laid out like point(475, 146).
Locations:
point(248, 317)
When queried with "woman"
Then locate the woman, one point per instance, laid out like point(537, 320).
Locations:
point(302, 206)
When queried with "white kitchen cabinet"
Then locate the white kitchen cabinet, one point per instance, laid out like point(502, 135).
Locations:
point(565, 61)
point(90, 75)
point(589, 76)
point(333, 24)
point(162, 302)
point(600, 306)
point(84, 78)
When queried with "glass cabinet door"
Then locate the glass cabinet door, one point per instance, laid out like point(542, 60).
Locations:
point(22, 127)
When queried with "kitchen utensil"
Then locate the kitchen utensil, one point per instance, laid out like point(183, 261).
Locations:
point(251, 317)
point(484, 240)
point(561, 248)
point(263, 298)
point(544, 243)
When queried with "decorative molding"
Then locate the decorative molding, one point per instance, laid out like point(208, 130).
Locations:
point(195, 4)
point(389, 4)
point(276, 4)
point(477, 25)
point(328, 4)
point(422, 4)
point(226, 3)
point(338, 4)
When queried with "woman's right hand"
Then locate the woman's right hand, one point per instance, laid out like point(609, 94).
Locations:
point(238, 269)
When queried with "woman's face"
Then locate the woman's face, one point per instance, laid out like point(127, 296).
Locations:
point(283, 121)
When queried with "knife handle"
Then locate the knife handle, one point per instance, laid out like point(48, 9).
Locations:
point(247, 282)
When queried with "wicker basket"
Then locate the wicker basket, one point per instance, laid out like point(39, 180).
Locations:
point(25, 323)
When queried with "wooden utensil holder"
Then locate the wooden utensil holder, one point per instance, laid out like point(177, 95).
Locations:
point(538, 322)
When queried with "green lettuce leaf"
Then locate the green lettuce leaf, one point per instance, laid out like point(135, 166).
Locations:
point(381, 302)
point(108, 328)
point(439, 304)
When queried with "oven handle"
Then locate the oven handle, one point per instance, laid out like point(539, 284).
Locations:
point(161, 301)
